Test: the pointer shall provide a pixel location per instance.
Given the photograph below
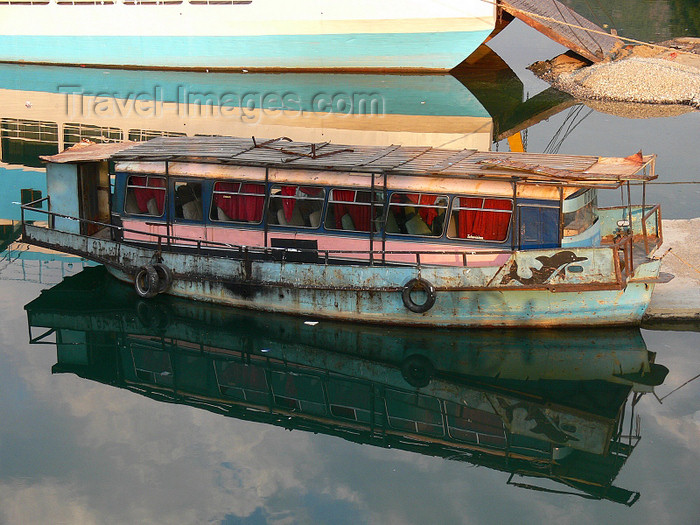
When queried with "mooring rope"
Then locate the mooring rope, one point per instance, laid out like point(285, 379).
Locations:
point(684, 261)
point(661, 399)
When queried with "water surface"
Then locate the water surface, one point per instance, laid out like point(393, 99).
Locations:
point(82, 441)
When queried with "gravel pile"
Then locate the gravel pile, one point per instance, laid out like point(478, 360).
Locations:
point(648, 80)
point(639, 110)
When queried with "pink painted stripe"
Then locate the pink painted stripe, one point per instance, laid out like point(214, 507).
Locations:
point(336, 243)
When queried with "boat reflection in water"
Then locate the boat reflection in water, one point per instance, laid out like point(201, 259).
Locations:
point(46, 109)
point(543, 405)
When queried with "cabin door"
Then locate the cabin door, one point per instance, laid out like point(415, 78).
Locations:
point(88, 187)
point(538, 227)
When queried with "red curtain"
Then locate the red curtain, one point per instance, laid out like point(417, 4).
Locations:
point(427, 214)
point(359, 213)
point(227, 202)
point(288, 204)
point(310, 191)
point(467, 218)
point(253, 205)
point(246, 208)
point(489, 225)
point(496, 223)
point(143, 195)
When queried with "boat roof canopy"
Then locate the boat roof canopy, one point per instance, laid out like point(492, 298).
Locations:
point(87, 151)
point(563, 170)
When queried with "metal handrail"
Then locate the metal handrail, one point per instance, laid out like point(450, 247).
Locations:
point(214, 244)
point(655, 210)
point(34, 206)
point(625, 244)
point(164, 242)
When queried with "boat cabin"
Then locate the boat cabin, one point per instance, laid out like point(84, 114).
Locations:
point(222, 192)
point(78, 182)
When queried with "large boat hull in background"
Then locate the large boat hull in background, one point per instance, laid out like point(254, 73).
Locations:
point(263, 34)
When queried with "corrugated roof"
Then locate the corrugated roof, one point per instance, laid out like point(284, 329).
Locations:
point(87, 152)
point(420, 161)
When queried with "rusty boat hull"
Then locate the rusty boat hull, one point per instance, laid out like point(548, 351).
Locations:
point(464, 297)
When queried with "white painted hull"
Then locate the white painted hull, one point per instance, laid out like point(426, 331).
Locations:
point(265, 34)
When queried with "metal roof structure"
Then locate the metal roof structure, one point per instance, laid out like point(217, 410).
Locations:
point(394, 160)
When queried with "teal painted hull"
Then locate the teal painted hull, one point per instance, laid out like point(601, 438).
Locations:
point(409, 51)
point(420, 95)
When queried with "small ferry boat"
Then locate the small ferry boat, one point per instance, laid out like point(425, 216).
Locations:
point(254, 34)
point(390, 235)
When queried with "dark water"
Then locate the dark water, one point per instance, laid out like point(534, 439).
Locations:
point(178, 413)
point(646, 20)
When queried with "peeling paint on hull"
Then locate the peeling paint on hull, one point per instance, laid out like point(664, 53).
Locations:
point(465, 297)
point(452, 308)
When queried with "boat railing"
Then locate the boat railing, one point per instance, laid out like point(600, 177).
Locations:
point(653, 216)
point(166, 242)
point(623, 255)
point(622, 248)
point(641, 222)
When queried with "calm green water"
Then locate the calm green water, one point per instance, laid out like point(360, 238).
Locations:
point(116, 424)
point(646, 20)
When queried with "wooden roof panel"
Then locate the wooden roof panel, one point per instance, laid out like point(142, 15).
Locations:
point(418, 161)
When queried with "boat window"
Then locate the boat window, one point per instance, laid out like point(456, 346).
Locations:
point(417, 214)
point(474, 426)
point(538, 226)
point(414, 412)
point(150, 365)
point(351, 210)
point(145, 196)
point(480, 218)
point(238, 202)
point(73, 133)
point(584, 216)
point(297, 391)
point(296, 206)
point(241, 381)
point(142, 135)
point(352, 400)
point(188, 201)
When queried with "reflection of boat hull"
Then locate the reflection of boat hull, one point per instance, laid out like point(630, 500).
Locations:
point(283, 371)
point(261, 34)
